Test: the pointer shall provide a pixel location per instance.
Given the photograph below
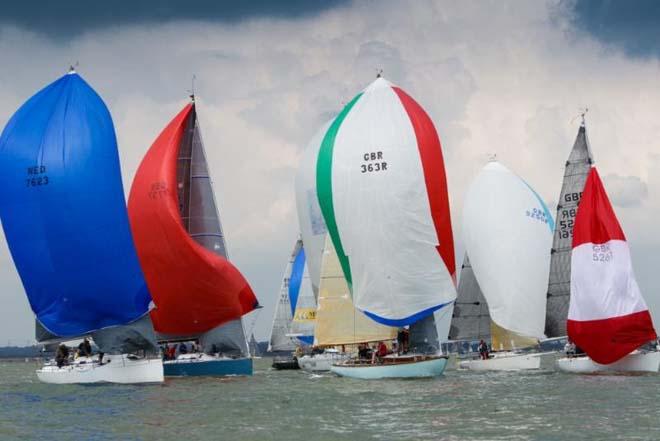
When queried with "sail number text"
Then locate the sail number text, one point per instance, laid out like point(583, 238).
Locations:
point(158, 190)
point(567, 215)
point(36, 176)
point(373, 162)
point(602, 253)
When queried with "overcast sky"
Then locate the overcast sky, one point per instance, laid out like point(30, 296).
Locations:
point(496, 77)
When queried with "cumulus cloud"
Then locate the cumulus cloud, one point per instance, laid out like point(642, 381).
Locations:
point(496, 77)
point(625, 191)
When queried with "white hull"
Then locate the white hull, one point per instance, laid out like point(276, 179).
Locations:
point(634, 362)
point(417, 369)
point(508, 361)
point(321, 362)
point(115, 369)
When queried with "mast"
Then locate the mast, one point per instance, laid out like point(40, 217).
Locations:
point(576, 171)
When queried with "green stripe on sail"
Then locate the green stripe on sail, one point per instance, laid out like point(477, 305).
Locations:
point(324, 187)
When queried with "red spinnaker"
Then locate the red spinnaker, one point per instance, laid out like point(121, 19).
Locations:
point(194, 289)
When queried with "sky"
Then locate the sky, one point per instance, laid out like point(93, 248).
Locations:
point(497, 77)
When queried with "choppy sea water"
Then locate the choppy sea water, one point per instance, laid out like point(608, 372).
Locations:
point(293, 405)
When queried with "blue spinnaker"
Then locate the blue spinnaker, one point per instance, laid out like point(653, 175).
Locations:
point(297, 270)
point(64, 214)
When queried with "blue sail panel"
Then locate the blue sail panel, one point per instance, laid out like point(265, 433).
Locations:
point(295, 280)
point(64, 214)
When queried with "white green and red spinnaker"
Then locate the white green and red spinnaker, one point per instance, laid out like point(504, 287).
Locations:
point(382, 188)
point(607, 316)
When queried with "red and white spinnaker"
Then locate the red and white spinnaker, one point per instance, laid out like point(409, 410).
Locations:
point(608, 317)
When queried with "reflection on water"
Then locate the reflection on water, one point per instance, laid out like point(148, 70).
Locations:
point(293, 405)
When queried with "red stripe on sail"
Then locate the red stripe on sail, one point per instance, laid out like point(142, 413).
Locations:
point(595, 221)
point(194, 289)
point(433, 165)
point(609, 340)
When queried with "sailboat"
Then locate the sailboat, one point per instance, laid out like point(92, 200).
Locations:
point(381, 186)
point(339, 325)
point(470, 320)
point(293, 323)
point(181, 246)
point(576, 171)
point(64, 217)
point(607, 316)
point(508, 234)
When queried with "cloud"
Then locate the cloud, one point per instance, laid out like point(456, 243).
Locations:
point(496, 77)
point(625, 191)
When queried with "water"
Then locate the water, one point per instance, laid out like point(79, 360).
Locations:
point(293, 405)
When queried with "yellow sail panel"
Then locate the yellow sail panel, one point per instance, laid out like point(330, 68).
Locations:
point(505, 340)
point(305, 315)
point(337, 320)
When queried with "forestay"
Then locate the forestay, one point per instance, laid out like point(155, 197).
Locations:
point(508, 234)
point(382, 190)
point(64, 215)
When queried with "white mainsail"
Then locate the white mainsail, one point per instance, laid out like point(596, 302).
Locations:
point(508, 234)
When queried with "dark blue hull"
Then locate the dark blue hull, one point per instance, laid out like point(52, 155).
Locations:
point(215, 368)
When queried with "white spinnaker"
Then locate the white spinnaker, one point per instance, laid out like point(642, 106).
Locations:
point(310, 218)
point(383, 216)
point(508, 235)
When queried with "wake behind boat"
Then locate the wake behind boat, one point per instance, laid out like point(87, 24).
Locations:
point(64, 217)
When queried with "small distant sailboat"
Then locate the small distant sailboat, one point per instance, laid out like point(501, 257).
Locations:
point(293, 323)
point(508, 235)
point(181, 246)
point(470, 321)
point(64, 217)
point(607, 317)
point(382, 190)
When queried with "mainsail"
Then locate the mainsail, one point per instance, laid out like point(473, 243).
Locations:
point(338, 322)
point(607, 317)
point(382, 190)
point(64, 215)
point(295, 311)
point(559, 284)
point(471, 319)
point(181, 245)
point(303, 302)
point(508, 234)
point(310, 218)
